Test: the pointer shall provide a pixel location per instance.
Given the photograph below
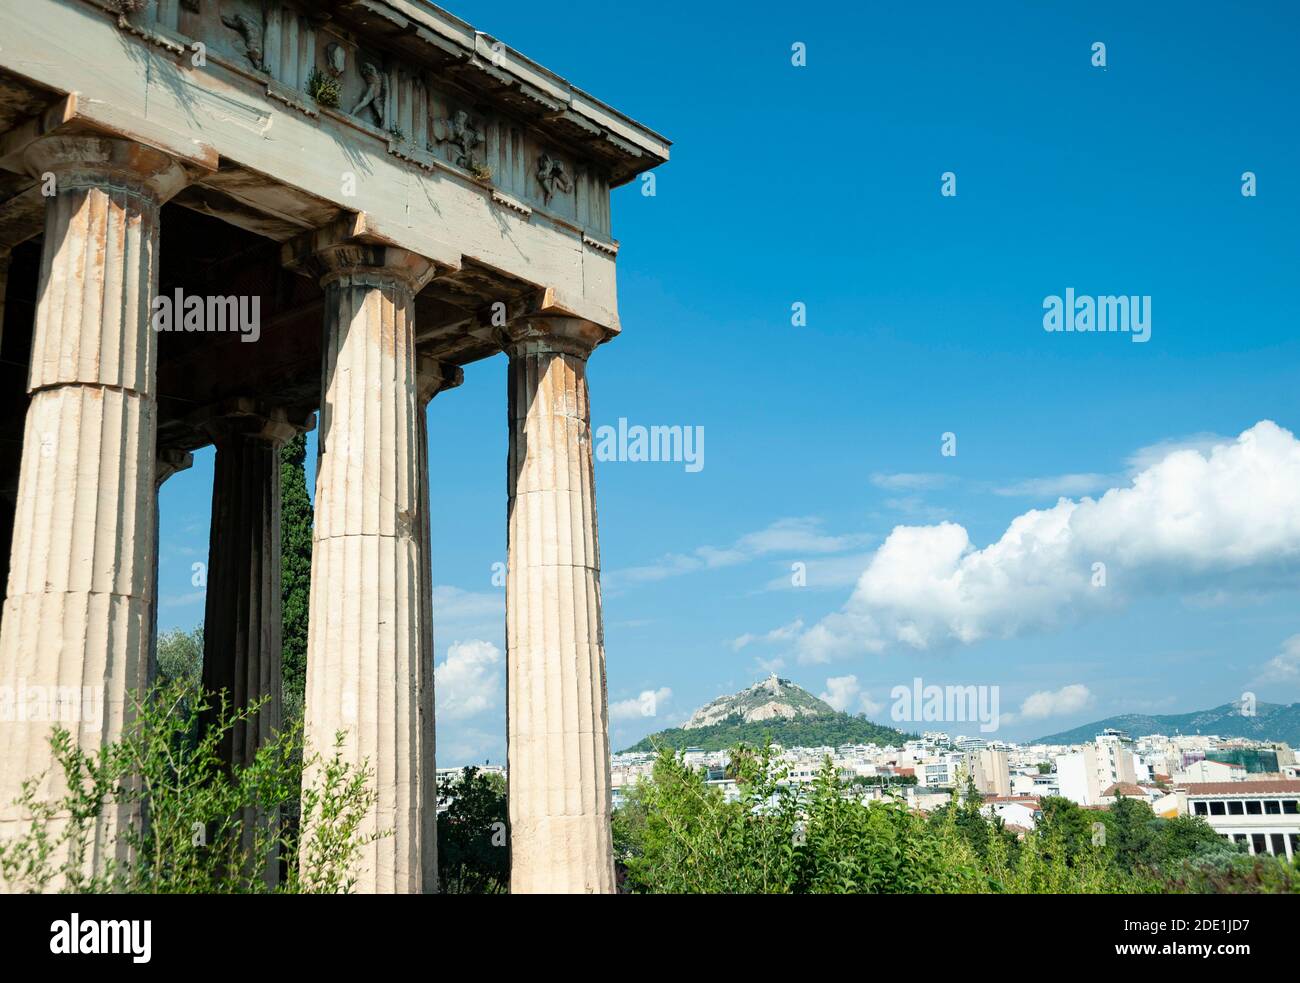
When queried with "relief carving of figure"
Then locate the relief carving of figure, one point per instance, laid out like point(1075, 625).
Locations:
point(250, 32)
point(461, 132)
point(336, 59)
point(376, 97)
point(552, 176)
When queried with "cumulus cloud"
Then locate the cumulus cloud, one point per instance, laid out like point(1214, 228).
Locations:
point(468, 681)
point(1193, 519)
point(648, 703)
point(844, 694)
point(1203, 442)
point(1049, 703)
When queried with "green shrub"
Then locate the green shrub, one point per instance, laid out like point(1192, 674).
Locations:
point(185, 823)
point(677, 834)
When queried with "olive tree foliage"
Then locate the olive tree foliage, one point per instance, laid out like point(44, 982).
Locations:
point(185, 810)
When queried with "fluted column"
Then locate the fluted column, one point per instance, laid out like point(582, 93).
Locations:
point(242, 624)
point(433, 377)
point(79, 598)
point(558, 741)
point(242, 615)
point(366, 634)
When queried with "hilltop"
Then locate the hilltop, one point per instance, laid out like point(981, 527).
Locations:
point(774, 709)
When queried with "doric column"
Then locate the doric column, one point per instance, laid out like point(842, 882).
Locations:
point(241, 620)
point(79, 600)
point(242, 615)
point(367, 634)
point(558, 741)
point(433, 377)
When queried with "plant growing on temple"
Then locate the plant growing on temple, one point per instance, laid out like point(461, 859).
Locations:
point(473, 853)
point(200, 834)
point(324, 88)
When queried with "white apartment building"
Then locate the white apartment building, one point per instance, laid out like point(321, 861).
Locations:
point(1035, 784)
point(1085, 774)
point(1264, 815)
point(1209, 771)
point(945, 770)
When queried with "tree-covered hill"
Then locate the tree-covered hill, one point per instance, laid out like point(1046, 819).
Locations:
point(830, 730)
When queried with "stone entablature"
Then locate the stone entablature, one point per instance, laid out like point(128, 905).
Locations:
point(420, 80)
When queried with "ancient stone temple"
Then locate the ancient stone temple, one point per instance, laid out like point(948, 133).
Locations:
point(222, 221)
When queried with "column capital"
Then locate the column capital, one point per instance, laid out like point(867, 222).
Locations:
point(566, 335)
point(170, 461)
point(253, 420)
point(95, 160)
point(433, 376)
point(347, 250)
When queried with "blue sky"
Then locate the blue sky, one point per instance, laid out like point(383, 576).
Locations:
point(821, 185)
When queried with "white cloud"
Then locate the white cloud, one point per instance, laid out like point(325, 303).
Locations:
point(1053, 487)
point(824, 572)
point(1203, 443)
point(792, 536)
point(915, 507)
point(781, 634)
point(454, 604)
point(904, 481)
point(469, 680)
point(1190, 520)
point(1285, 666)
point(183, 600)
point(1048, 703)
point(648, 703)
point(843, 693)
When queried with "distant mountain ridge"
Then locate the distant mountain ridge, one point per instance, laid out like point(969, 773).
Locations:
point(1270, 722)
point(772, 708)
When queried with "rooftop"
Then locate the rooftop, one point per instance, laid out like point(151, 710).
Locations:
point(1264, 789)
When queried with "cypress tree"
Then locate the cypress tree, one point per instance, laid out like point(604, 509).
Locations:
point(295, 558)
